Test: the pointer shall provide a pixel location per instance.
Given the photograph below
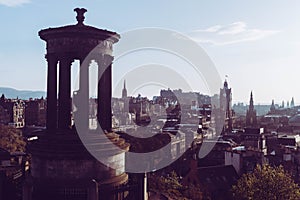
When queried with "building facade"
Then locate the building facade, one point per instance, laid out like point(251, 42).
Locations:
point(13, 112)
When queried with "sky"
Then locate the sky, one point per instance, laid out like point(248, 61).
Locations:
point(255, 44)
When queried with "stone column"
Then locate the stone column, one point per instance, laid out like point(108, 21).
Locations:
point(142, 186)
point(52, 92)
point(104, 111)
point(93, 193)
point(84, 93)
point(64, 95)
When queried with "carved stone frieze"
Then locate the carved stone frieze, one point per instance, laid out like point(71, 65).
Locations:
point(82, 45)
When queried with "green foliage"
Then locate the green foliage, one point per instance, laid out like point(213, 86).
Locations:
point(170, 186)
point(193, 192)
point(266, 182)
point(11, 139)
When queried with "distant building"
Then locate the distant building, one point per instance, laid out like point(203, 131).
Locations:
point(249, 149)
point(289, 140)
point(289, 110)
point(13, 168)
point(292, 103)
point(4, 115)
point(272, 108)
point(251, 119)
point(253, 138)
point(173, 116)
point(240, 109)
point(216, 180)
point(216, 156)
point(35, 112)
point(226, 106)
point(184, 98)
point(272, 122)
point(140, 107)
point(121, 115)
point(284, 150)
point(244, 160)
point(14, 110)
point(295, 121)
point(169, 96)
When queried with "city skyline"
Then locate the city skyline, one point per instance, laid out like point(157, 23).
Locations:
point(247, 41)
point(26, 95)
point(192, 141)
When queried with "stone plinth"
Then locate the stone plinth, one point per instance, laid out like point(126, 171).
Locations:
point(61, 164)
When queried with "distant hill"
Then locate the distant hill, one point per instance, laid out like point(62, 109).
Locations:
point(21, 94)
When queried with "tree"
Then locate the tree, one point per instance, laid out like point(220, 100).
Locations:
point(171, 187)
point(266, 182)
point(11, 139)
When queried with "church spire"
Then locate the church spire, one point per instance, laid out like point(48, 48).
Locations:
point(251, 106)
point(124, 91)
point(251, 119)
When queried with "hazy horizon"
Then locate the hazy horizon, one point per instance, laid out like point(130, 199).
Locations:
point(234, 101)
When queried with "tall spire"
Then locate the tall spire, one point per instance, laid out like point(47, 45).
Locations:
point(292, 102)
point(251, 106)
point(225, 84)
point(251, 119)
point(272, 108)
point(124, 91)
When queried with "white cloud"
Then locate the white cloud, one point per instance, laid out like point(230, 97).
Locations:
point(12, 3)
point(229, 34)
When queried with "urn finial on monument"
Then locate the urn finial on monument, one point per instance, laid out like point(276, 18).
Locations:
point(80, 15)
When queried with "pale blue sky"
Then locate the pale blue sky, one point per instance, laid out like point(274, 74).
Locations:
point(256, 43)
